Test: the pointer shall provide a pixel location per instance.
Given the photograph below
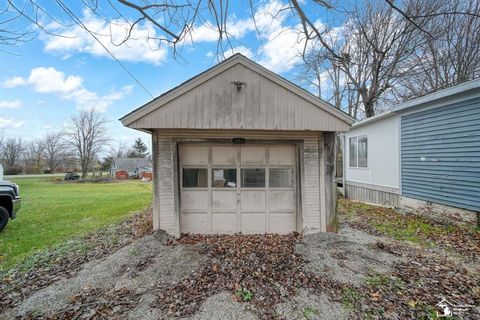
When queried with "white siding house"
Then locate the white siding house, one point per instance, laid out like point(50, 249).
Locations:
point(425, 152)
point(238, 149)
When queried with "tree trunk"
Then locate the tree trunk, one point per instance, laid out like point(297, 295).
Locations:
point(369, 110)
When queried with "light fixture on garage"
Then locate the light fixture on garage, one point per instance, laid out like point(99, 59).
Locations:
point(239, 84)
point(238, 140)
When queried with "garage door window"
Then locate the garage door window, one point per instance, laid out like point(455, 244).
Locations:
point(253, 178)
point(195, 177)
point(224, 178)
point(280, 178)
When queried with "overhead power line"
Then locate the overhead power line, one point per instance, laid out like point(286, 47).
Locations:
point(78, 21)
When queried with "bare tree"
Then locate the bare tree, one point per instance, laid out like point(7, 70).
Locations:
point(11, 36)
point(119, 152)
point(376, 50)
point(175, 21)
point(13, 149)
point(2, 139)
point(32, 156)
point(53, 150)
point(87, 135)
point(380, 40)
point(450, 54)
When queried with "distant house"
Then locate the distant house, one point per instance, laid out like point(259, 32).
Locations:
point(424, 152)
point(124, 168)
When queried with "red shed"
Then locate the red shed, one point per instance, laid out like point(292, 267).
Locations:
point(121, 174)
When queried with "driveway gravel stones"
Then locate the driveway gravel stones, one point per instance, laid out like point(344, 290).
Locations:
point(136, 269)
point(347, 257)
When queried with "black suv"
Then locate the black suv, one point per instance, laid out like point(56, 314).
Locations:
point(72, 176)
point(10, 202)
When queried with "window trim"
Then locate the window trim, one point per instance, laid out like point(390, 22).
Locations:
point(194, 188)
point(356, 146)
point(292, 168)
point(265, 170)
point(224, 168)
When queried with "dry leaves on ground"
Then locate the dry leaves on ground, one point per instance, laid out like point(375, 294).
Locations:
point(65, 261)
point(94, 304)
point(376, 220)
point(262, 270)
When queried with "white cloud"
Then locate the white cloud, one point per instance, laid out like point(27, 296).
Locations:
point(71, 88)
point(9, 123)
point(10, 104)
point(141, 45)
point(282, 43)
point(203, 33)
point(208, 32)
point(50, 80)
point(13, 82)
point(240, 49)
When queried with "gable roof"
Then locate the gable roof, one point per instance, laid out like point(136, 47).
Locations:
point(131, 163)
point(435, 99)
point(235, 65)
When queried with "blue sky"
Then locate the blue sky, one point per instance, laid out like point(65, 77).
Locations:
point(44, 81)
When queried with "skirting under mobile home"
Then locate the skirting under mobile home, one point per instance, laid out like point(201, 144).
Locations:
point(238, 149)
point(424, 153)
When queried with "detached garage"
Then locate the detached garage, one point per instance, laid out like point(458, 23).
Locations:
point(239, 149)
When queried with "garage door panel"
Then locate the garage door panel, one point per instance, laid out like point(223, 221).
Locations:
point(224, 155)
point(252, 223)
point(281, 200)
point(195, 223)
point(194, 200)
point(227, 189)
point(224, 223)
point(282, 222)
point(192, 155)
point(252, 201)
point(252, 155)
point(224, 200)
point(282, 155)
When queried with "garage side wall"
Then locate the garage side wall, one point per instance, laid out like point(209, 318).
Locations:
point(165, 213)
point(312, 221)
point(316, 200)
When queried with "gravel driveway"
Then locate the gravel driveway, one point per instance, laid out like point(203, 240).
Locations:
point(135, 271)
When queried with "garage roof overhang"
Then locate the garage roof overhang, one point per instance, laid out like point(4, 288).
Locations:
point(238, 94)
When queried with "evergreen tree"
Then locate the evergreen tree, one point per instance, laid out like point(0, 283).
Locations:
point(138, 150)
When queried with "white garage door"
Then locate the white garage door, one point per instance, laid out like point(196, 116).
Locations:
point(241, 188)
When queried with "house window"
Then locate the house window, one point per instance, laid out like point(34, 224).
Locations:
point(358, 152)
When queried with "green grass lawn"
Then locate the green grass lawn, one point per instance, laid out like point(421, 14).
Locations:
point(53, 212)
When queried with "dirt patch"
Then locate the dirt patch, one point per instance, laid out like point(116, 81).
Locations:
point(455, 239)
point(91, 303)
point(417, 283)
point(131, 271)
point(307, 306)
point(436, 261)
point(65, 261)
point(85, 180)
point(348, 257)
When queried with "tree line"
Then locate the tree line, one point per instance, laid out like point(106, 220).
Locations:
point(362, 56)
point(84, 145)
point(384, 54)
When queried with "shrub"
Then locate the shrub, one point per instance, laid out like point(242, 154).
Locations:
point(12, 170)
